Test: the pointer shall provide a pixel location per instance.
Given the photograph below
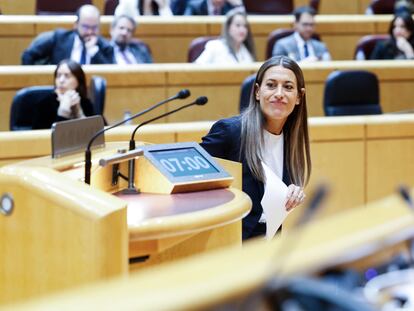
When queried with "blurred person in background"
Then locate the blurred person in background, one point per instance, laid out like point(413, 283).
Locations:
point(69, 99)
point(235, 45)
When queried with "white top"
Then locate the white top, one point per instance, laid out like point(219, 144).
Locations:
point(273, 156)
point(217, 52)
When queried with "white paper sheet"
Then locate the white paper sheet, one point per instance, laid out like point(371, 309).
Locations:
point(273, 202)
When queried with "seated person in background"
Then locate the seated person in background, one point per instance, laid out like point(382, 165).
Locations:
point(126, 51)
point(82, 44)
point(143, 7)
point(273, 130)
point(68, 101)
point(401, 43)
point(235, 45)
point(211, 7)
point(300, 46)
point(404, 6)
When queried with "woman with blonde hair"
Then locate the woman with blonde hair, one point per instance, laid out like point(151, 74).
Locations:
point(235, 45)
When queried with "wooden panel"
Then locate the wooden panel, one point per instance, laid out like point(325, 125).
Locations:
point(73, 241)
point(338, 128)
point(140, 86)
point(389, 164)
point(341, 32)
point(191, 285)
point(341, 166)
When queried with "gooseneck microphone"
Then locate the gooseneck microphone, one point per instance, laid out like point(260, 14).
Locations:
point(200, 101)
point(88, 162)
point(405, 194)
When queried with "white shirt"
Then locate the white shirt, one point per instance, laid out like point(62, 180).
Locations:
point(217, 52)
point(273, 156)
point(77, 51)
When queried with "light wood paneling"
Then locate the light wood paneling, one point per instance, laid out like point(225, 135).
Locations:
point(139, 86)
point(361, 158)
point(169, 38)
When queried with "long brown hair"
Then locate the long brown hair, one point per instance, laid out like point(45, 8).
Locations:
point(77, 71)
point(248, 42)
point(295, 129)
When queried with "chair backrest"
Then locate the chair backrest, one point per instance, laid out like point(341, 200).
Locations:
point(245, 91)
point(268, 6)
point(110, 6)
point(353, 92)
point(52, 7)
point(197, 47)
point(366, 45)
point(278, 34)
point(96, 93)
point(21, 111)
point(381, 7)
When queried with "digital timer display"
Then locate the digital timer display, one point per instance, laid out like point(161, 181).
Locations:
point(184, 162)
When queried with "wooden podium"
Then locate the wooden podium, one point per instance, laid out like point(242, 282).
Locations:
point(59, 232)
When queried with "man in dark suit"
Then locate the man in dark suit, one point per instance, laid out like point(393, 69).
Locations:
point(211, 7)
point(125, 51)
point(82, 44)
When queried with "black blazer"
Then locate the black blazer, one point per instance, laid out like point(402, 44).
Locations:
point(223, 141)
point(54, 46)
point(201, 8)
point(387, 49)
point(45, 111)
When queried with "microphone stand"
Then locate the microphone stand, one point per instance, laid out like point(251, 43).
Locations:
point(88, 155)
point(202, 100)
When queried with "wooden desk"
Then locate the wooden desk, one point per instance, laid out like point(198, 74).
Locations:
point(63, 232)
point(169, 38)
point(362, 158)
point(137, 87)
point(214, 280)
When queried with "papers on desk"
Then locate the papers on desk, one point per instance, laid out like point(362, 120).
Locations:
point(273, 202)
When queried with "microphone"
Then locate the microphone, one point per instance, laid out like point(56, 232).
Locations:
point(200, 101)
point(405, 194)
point(88, 162)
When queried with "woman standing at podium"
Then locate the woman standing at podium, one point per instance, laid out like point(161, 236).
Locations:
point(67, 101)
point(273, 130)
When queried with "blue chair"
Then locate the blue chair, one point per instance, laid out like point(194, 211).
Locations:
point(97, 93)
point(23, 104)
point(353, 92)
point(245, 91)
